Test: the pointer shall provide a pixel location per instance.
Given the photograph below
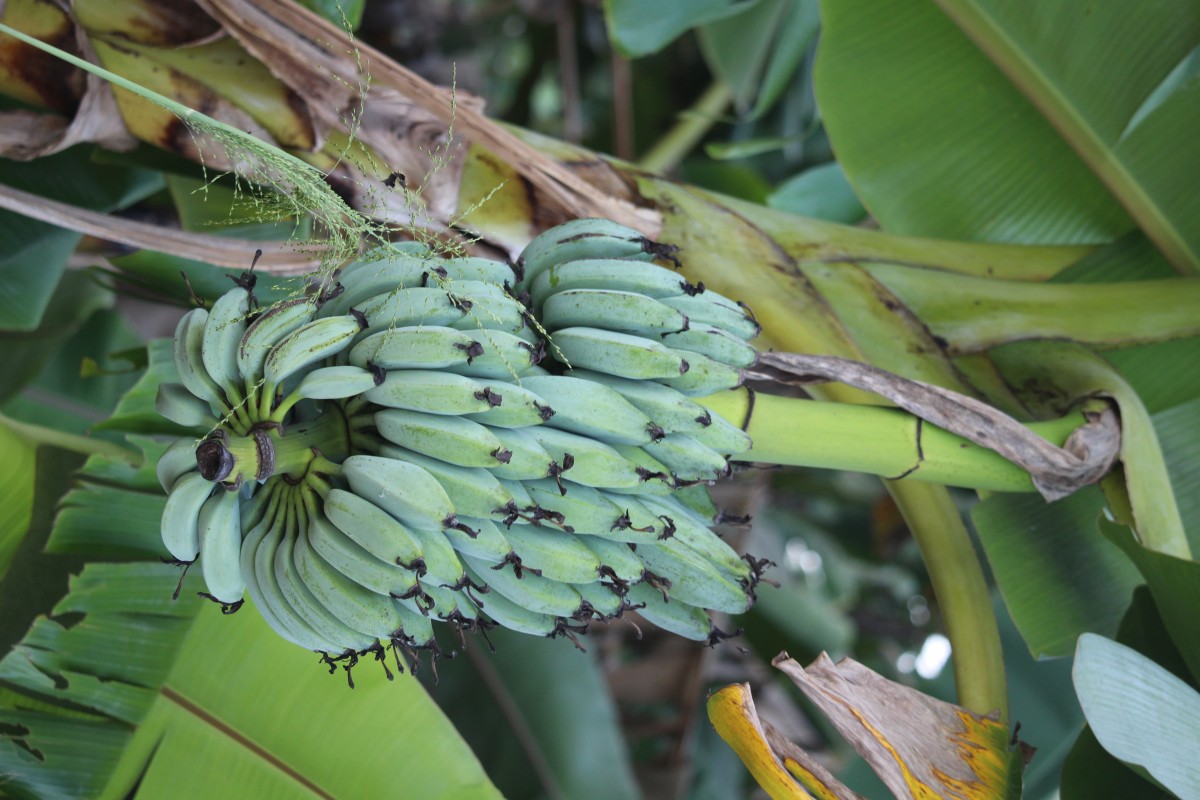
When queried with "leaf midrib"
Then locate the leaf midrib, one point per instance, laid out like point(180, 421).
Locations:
point(214, 722)
point(1012, 60)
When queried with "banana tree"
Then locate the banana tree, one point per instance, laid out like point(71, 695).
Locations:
point(1009, 283)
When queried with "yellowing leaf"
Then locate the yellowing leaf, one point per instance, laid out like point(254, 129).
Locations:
point(731, 711)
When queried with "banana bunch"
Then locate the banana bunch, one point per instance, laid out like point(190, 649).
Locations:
point(461, 440)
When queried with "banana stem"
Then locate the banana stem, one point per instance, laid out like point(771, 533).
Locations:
point(891, 442)
point(354, 405)
point(274, 451)
point(266, 398)
point(962, 593)
point(38, 435)
point(285, 405)
point(239, 417)
point(320, 465)
point(878, 440)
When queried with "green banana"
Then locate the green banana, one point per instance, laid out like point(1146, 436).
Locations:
point(693, 530)
point(219, 526)
point(416, 305)
point(334, 383)
point(189, 362)
point(556, 555)
point(176, 461)
point(259, 519)
point(485, 542)
point(526, 458)
point(705, 376)
point(627, 312)
point(655, 477)
point(424, 347)
point(470, 307)
point(373, 529)
point(473, 491)
point(722, 436)
point(687, 459)
point(590, 462)
point(670, 409)
point(505, 356)
point(354, 605)
point(587, 238)
point(435, 393)
point(611, 274)
point(356, 563)
point(618, 563)
point(179, 405)
point(180, 533)
point(513, 406)
point(696, 499)
point(616, 353)
point(493, 312)
point(675, 616)
point(304, 347)
point(258, 570)
point(713, 309)
point(605, 602)
point(592, 410)
point(455, 440)
point(520, 496)
point(530, 591)
point(674, 412)
point(514, 616)
point(300, 598)
point(591, 511)
point(416, 629)
point(223, 331)
point(403, 489)
point(693, 580)
point(471, 268)
point(268, 329)
point(370, 277)
point(714, 342)
point(440, 601)
point(441, 562)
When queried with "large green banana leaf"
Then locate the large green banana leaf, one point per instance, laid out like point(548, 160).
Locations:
point(1034, 121)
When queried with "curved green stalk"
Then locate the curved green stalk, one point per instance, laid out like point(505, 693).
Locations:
point(962, 594)
point(39, 435)
point(689, 130)
point(890, 442)
point(974, 314)
point(879, 440)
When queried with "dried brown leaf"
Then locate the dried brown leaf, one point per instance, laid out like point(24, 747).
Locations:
point(920, 747)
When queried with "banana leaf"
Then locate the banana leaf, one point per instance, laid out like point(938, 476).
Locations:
point(984, 120)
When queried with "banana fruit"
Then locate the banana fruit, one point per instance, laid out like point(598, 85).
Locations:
point(461, 440)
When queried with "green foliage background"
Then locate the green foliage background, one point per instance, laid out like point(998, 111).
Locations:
point(1032, 123)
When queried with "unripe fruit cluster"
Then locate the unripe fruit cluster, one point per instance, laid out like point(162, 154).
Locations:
point(462, 440)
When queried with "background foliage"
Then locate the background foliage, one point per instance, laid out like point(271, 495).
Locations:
point(935, 134)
